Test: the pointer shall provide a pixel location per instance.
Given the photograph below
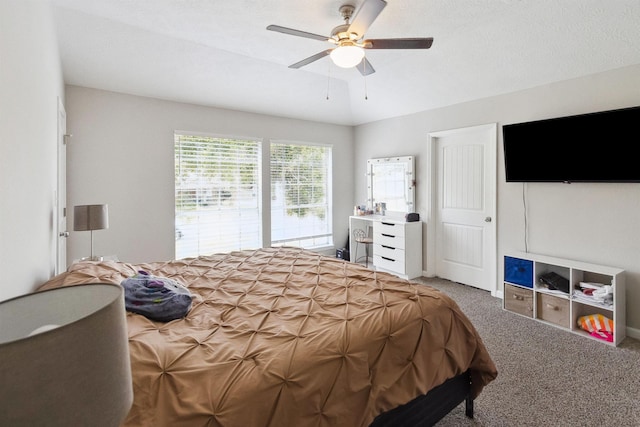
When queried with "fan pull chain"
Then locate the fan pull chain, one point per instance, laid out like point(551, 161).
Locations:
point(366, 97)
point(328, 80)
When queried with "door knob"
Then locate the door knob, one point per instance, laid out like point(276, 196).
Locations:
point(64, 234)
point(487, 219)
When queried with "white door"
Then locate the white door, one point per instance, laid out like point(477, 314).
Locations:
point(61, 193)
point(465, 205)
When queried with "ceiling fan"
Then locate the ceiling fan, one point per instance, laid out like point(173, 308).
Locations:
point(349, 38)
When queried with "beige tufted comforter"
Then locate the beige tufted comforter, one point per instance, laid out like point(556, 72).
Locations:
point(286, 337)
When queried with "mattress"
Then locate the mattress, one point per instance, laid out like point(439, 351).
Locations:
point(287, 337)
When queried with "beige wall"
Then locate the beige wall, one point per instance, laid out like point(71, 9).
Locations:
point(596, 223)
point(30, 84)
point(122, 154)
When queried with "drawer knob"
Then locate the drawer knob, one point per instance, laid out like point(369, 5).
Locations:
point(552, 307)
point(518, 297)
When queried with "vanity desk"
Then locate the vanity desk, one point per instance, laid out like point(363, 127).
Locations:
point(397, 244)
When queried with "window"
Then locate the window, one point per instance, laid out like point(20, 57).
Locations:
point(219, 202)
point(217, 193)
point(301, 195)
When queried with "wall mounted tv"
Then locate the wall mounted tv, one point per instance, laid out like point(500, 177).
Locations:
point(595, 147)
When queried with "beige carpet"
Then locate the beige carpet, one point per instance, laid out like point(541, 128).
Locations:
point(546, 376)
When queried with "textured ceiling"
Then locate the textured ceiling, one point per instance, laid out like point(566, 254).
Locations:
point(218, 53)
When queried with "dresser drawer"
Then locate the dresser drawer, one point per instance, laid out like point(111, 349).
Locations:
point(518, 300)
point(553, 309)
point(389, 241)
point(391, 264)
point(391, 229)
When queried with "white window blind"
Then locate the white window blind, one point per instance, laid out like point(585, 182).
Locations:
point(301, 195)
point(217, 195)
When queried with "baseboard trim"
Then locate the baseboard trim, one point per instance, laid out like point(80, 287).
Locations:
point(633, 333)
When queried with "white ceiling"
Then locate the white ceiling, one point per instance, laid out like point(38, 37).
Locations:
point(219, 53)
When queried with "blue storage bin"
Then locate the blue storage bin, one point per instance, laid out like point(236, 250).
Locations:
point(518, 271)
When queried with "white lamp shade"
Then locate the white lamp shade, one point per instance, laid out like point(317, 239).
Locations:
point(64, 358)
point(90, 217)
point(347, 56)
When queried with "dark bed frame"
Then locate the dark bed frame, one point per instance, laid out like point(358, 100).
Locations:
point(428, 409)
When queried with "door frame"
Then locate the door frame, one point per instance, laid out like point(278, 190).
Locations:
point(432, 202)
point(61, 211)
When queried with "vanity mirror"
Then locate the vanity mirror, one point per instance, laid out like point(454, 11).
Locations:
point(391, 181)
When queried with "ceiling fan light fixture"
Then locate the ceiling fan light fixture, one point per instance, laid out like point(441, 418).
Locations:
point(349, 38)
point(347, 56)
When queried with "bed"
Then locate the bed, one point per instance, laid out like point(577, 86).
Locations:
point(287, 337)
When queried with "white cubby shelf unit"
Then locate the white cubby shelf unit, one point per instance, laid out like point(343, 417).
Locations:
point(525, 295)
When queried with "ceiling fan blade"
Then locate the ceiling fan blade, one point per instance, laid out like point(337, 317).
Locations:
point(365, 16)
point(365, 67)
point(298, 33)
point(410, 43)
point(311, 59)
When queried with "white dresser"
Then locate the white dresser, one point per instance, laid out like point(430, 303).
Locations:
point(397, 244)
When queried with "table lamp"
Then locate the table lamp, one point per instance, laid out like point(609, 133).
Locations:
point(89, 218)
point(64, 358)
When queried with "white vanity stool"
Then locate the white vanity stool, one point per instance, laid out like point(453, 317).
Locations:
point(363, 238)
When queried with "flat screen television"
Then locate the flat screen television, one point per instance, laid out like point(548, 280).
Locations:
point(594, 147)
